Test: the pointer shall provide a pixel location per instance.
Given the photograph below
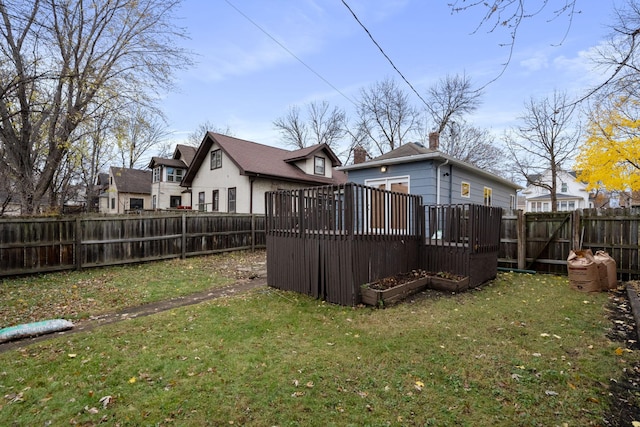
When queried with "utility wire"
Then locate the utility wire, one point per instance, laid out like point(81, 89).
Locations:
point(384, 54)
point(291, 53)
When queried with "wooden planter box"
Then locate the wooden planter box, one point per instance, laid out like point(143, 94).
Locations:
point(382, 297)
point(449, 285)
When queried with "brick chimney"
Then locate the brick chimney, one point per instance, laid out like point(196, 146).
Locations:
point(359, 155)
point(434, 141)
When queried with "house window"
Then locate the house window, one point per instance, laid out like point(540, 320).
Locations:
point(319, 165)
point(215, 200)
point(512, 202)
point(488, 195)
point(201, 206)
point(174, 174)
point(175, 201)
point(231, 200)
point(135, 203)
point(564, 187)
point(156, 174)
point(465, 189)
point(113, 203)
point(154, 201)
point(216, 159)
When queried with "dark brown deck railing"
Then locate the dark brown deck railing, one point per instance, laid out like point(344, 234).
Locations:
point(328, 241)
point(462, 239)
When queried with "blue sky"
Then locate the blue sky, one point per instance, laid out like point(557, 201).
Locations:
point(244, 80)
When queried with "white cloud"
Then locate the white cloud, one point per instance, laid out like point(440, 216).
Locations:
point(536, 62)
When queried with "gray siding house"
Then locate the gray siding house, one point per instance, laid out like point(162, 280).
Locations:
point(439, 178)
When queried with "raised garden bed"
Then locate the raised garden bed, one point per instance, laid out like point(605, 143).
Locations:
point(449, 282)
point(392, 289)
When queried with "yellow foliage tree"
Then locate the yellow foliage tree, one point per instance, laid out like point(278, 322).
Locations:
point(610, 157)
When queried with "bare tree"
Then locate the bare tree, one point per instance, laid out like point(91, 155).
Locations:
point(508, 15)
point(137, 133)
point(545, 141)
point(618, 57)
point(386, 116)
point(450, 99)
point(195, 138)
point(58, 58)
point(473, 145)
point(293, 128)
point(322, 125)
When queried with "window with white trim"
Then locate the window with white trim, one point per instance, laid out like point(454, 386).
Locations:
point(488, 196)
point(465, 189)
point(174, 174)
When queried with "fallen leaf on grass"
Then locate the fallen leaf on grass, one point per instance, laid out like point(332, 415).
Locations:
point(106, 400)
point(297, 394)
point(91, 410)
point(132, 380)
point(551, 393)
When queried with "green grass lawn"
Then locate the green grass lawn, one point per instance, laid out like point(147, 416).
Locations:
point(524, 350)
point(76, 295)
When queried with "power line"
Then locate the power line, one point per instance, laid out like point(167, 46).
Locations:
point(290, 53)
point(385, 55)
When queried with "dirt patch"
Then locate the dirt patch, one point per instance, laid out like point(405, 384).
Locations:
point(625, 391)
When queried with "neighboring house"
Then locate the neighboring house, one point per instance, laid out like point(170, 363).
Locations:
point(232, 175)
point(10, 204)
point(437, 177)
point(571, 194)
point(167, 175)
point(129, 189)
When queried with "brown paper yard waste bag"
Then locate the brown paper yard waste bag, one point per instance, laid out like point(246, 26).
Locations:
point(583, 271)
point(607, 267)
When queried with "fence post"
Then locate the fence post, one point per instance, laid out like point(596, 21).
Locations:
point(521, 233)
point(183, 255)
point(576, 239)
point(253, 232)
point(77, 250)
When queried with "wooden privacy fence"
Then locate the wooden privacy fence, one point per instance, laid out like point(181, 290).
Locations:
point(542, 241)
point(35, 245)
point(327, 241)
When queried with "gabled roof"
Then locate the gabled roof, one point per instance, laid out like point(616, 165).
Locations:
point(409, 149)
point(413, 152)
point(186, 153)
point(182, 157)
point(132, 180)
point(255, 159)
point(305, 153)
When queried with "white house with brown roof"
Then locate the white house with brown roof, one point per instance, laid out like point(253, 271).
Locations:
point(571, 194)
point(167, 174)
point(230, 174)
point(129, 189)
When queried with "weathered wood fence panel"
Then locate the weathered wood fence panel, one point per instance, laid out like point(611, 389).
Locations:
point(542, 241)
point(36, 245)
